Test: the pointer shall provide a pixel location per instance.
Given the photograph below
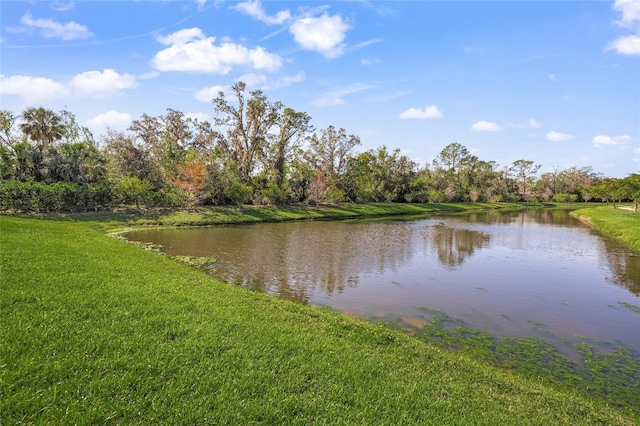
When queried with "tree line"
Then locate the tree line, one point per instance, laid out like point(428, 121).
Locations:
point(257, 151)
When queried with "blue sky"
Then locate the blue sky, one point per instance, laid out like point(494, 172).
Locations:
point(555, 82)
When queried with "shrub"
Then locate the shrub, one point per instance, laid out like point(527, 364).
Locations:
point(33, 196)
point(565, 198)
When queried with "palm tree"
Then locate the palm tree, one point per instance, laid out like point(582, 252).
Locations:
point(42, 125)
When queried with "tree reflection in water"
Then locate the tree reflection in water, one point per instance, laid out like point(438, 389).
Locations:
point(496, 270)
point(454, 245)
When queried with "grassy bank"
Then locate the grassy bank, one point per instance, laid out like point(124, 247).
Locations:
point(97, 331)
point(218, 215)
point(621, 224)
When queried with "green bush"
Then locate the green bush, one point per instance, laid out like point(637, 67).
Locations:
point(272, 195)
point(565, 198)
point(239, 193)
point(33, 196)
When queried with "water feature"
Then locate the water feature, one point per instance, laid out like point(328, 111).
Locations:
point(519, 273)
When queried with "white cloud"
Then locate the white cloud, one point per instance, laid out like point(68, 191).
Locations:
point(191, 51)
point(60, 6)
point(534, 124)
point(182, 36)
point(256, 11)
point(552, 77)
point(52, 29)
point(608, 140)
point(208, 93)
point(431, 111)
point(630, 10)
point(324, 34)
point(335, 97)
point(200, 116)
point(558, 137)
point(636, 150)
point(485, 126)
point(111, 118)
point(253, 80)
point(32, 89)
point(529, 124)
point(329, 101)
point(264, 83)
point(96, 84)
point(627, 45)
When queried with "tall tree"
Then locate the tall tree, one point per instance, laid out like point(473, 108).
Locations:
point(523, 171)
point(128, 158)
point(329, 153)
point(452, 157)
point(74, 132)
point(332, 149)
point(452, 161)
point(291, 128)
point(378, 175)
point(42, 125)
point(609, 189)
point(631, 189)
point(246, 127)
point(149, 130)
point(547, 185)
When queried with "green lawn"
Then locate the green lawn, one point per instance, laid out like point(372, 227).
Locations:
point(619, 223)
point(97, 331)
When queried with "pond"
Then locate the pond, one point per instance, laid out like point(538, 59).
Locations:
point(524, 273)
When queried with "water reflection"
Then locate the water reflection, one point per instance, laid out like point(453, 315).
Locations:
point(515, 273)
point(454, 245)
point(624, 269)
point(295, 260)
point(522, 217)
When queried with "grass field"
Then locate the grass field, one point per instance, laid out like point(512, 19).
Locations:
point(96, 331)
point(619, 223)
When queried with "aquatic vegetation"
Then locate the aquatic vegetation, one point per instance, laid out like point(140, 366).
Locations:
point(613, 375)
point(631, 307)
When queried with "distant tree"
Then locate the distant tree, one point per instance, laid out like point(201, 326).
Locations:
point(577, 181)
point(148, 130)
point(127, 158)
point(452, 178)
point(630, 188)
point(609, 189)
point(74, 132)
point(42, 125)
point(451, 157)
point(332, 148)
point(300, 175)
point(246, 128)
point(546, 186)
point(523, 170)
point(203, 141)
point(289, 131)
point(379, 175)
